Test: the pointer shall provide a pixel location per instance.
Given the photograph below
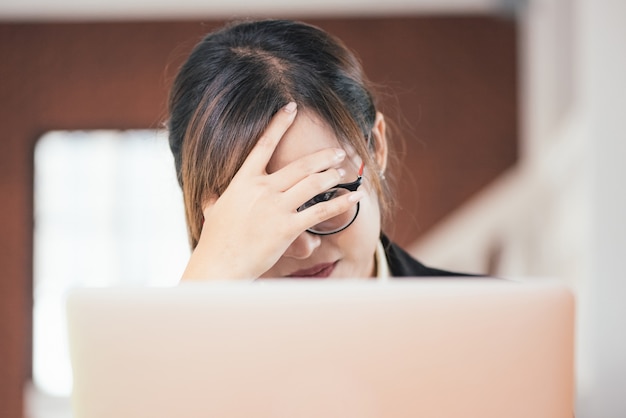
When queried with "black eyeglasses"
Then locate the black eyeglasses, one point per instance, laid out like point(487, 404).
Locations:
point(342, 221)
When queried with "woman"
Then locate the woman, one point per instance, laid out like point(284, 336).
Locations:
point(281, 156)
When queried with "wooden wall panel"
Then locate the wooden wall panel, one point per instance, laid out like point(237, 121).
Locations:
point(450, 84)
point(451, 88)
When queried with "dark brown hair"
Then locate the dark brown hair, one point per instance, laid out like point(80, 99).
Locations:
point(237, 78)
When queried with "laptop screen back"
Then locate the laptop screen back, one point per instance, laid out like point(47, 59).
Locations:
point(439, 348)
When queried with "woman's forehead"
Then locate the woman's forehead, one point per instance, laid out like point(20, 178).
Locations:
point(307, 134)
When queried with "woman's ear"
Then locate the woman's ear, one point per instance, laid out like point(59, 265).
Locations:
point(380, 142)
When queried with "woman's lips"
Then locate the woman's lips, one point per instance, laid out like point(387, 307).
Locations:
point(318, 271)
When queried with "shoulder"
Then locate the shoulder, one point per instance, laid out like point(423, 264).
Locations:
point(401, 264)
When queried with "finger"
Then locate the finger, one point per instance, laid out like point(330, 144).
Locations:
point(312, 185)
point(294, 172)
point(323, 211)
point(260, 155)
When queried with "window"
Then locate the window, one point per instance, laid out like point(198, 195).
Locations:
point(108, 211)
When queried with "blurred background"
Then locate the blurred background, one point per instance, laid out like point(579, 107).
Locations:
point(508, 136)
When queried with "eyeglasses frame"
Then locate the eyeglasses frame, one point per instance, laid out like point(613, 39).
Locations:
point(352, 187)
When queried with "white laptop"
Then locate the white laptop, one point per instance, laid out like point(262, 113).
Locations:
point(406, 348)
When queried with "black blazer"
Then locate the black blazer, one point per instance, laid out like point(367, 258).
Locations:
point(401, 264)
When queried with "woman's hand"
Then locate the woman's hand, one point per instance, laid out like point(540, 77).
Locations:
point(250, 226)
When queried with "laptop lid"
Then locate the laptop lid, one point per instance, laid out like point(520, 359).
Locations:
point(429, 348)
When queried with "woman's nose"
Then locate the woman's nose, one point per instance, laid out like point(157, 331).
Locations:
point(303, 246)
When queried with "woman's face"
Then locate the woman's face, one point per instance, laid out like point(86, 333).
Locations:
point(348, 253)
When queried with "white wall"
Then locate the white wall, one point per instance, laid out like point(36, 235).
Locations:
point(603, 305)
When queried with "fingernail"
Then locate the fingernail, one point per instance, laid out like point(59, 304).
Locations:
point(356, 196)
point(339, 154)
point(291, 107)
point(341, 172)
